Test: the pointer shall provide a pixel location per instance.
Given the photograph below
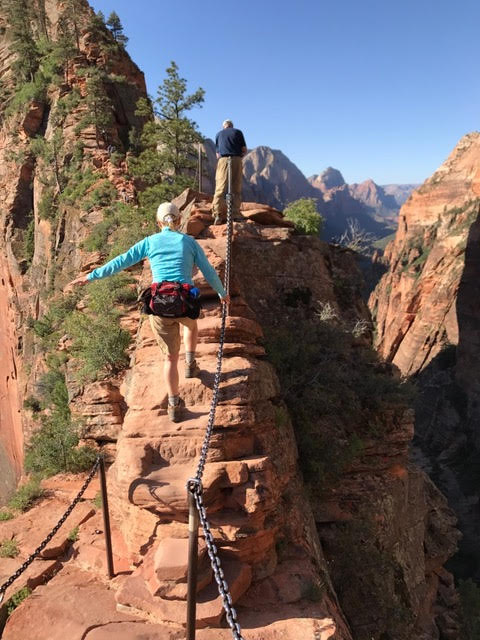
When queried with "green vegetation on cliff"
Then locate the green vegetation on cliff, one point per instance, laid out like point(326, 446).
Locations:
point(54, 446)
point(26, 495)
point(303, 213)
point(115, 26)
point(167, 158)
point(333, 386)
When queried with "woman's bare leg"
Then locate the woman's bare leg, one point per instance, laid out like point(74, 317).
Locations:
point(170, 370)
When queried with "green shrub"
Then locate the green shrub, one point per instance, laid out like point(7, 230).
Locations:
point(73, 535)
point(105, 295)
point(5, 515)
point(117, 158)
point(53, 318)
point(364, 574)
point(99, 344)
point(303, 213)
point(79, 182)
point(47, 209)
point(17, 599)
point(54, 447)
point(26, 495)
point(26, 93)
point(97, 500)
point(100, 196)
point(53, 389)
point(32, 404)
point(334, 389)
point(29, 242)
point(124, 225)
point(9, 549)
point(98, 238)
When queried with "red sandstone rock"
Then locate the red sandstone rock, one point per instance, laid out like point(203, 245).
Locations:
point(134, 631)
point(253, 489)
point(33, 118)
point(31, 527)
point(68, 606)
point(414, 302)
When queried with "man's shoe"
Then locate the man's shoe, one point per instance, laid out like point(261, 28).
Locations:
point(192, 369)
point(175, 411)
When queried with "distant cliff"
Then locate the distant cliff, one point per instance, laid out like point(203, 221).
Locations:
point(271, 178)
point(428, 322)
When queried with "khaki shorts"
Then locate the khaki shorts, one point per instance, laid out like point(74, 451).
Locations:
point(167, 332)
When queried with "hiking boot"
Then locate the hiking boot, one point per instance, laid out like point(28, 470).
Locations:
point(192, 369)
point(219, 219)
point(175, 411)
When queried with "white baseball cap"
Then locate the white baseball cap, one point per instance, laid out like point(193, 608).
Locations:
point(167, 210)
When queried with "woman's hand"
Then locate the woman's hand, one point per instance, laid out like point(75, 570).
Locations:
point(78, 281)
point(225, 299)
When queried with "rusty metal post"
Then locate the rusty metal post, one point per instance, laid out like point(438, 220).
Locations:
point(106, 516)
point(192, 565)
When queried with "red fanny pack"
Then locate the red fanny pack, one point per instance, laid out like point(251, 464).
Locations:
point(170, 299)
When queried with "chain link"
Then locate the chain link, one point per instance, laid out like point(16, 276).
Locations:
point(194, 485)
point(212, 550)
point(43, 544)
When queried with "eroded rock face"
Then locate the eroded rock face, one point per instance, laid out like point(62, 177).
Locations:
point(427, 325)
point(381, 522)
point(57, 253)
point(414, 304)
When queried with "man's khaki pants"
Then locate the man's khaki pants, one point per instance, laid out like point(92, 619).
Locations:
point(219, 208)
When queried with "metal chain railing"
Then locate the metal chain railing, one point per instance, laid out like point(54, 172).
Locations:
point(194, 485)
point(98, 463)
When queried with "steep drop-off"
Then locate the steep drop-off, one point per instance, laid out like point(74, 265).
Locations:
point(427, 324)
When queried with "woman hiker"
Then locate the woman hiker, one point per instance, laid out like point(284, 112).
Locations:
point(172, 256)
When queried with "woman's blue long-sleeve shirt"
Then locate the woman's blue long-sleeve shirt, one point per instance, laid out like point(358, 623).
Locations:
point(172, 256)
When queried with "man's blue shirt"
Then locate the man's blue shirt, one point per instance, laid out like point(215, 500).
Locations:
point(172, 256)
point(230, 142)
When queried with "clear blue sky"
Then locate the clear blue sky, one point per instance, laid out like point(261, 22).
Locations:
point(380, 90)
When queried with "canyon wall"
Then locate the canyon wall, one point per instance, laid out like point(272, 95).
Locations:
point(427, 325)
point(314, 506)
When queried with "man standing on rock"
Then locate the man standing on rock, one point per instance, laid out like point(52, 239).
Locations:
point(229, 143)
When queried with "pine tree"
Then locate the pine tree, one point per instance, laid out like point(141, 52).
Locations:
point(167, 162)
point(70, 18)
point(23, 44)
point(115, 26)
point(177, 134)
point(42, 18)
point(99, 108)
point(51, 152)
point(67, 36)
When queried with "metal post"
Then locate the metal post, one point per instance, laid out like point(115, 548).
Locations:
point(200, 167)
point(192, 565)
point(106, 517)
